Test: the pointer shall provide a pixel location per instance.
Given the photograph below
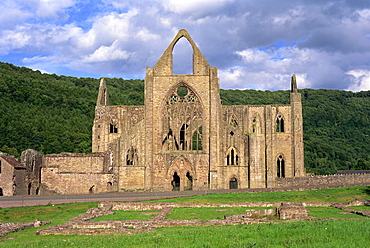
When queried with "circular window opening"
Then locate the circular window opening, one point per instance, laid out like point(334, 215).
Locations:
point(182, 91)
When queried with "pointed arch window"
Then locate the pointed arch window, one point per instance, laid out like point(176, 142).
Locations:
point(233, 121)
point(279, 124)
point(280, 164)
point(131, 156)
point(182, 119)
point(197, 139)
point(113, 128)
point(256, 125)
point(232, 157)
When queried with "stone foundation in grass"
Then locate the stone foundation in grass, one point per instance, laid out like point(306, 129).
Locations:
point(282, 211)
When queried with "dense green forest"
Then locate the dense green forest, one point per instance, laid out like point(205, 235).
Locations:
point(54, 114)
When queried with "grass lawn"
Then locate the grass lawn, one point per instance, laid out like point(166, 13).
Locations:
point(330, 212)
point(352, 232)
point(127, 215)
point(361, 208)
point(345, 194)
point(206, 213)
point(341, 233)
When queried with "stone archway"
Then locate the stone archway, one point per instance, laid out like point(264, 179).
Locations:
point(181, 174)
point(233, 183)
point(176, 182)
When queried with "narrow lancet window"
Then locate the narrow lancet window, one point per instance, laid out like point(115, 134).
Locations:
point(197, 139)
point(113, 128)
point(279, 124)
point(280, 163)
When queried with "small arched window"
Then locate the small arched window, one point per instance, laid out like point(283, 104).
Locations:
point(280, 164)
point(232, 157)
point(113, 128)
point(279, 124)
point(256, 125)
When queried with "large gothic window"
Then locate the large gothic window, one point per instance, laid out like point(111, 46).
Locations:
point(182, 122)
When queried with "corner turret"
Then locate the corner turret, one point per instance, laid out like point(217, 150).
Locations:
point(294, 84)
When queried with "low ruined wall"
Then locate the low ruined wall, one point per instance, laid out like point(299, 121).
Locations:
point(141, 206)
point(323, 181)
point(54, 182)
point(76, 163)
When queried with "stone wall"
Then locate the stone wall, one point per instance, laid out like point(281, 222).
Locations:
point(77, 174)
point(324, 181)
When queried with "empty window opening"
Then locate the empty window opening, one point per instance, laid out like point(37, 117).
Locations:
point(175, 182)
point(232, 133)
point(256, 125)
point(113, 128)
point(189, 182)
point(233, 184)
point(1, 192)
point(0, 166)
point(183, 142)
point(182, 120)
point(279, 124)
point(182, 57)
point(280, 163)
point(197, 140)
point(232, 157)
point(131, 156)
point(233, 123)
point(29, 189)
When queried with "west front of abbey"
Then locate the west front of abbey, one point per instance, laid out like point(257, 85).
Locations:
point(183, 138)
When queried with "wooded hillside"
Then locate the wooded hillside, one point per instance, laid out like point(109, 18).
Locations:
point(54, 114)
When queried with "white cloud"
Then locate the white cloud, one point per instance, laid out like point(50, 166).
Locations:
point(361, 79)
point(197, 7)
point(105, 53)
point(255, 44)
point(52, 8)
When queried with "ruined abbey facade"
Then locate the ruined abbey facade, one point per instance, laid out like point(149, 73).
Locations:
point(183, 138)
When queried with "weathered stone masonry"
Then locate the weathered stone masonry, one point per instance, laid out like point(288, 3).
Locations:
point(184, 139)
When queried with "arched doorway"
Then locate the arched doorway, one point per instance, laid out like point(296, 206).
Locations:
point(188, 182)
point(233, 184)
point(175, 182)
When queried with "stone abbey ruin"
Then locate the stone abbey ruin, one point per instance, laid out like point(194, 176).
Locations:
point(183, 138)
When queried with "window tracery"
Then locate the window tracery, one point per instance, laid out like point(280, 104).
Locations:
point(182, 120)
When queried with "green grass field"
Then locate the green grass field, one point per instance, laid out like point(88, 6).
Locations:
point(352, 231)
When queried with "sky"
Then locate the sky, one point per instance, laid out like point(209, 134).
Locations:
point(256, 44)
